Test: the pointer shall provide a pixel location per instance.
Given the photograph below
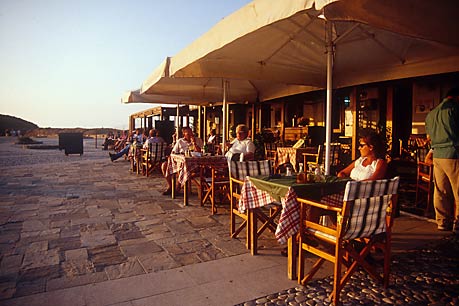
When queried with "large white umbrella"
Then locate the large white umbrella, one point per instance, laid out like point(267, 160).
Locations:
point(134, 96)
point(215, 90)
point(306, 42)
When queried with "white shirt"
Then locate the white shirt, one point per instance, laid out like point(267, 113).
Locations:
point(240, 146)
point(211, 139)
point(182, 145)
point(361, 172)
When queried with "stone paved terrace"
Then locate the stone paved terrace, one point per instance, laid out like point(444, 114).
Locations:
point(80, 230)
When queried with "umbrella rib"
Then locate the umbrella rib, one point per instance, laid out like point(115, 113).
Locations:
point(373, 37)
point(290, 38)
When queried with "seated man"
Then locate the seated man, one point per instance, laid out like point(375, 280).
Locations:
point(136, 138)
point(241, 145)
point(152, 138)
point(187, 142)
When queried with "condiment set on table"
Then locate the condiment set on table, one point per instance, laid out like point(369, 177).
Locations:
point(310, 177)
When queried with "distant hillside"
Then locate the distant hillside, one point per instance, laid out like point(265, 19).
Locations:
point(45, 132)
point(32, 130)
point(12, 123)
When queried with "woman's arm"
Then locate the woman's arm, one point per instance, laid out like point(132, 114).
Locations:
point(346, 172)
point(380, 171)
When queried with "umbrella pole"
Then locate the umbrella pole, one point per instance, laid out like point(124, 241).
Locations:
point(225, 128)
point(328, 129)
point(177, 121)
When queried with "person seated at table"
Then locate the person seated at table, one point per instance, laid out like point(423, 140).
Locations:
point(212, 141)
point(128, 145)
point(241, 145)
point(109, 141)
point(182, 145)
point(371, 165)
point(152, 138)
point(120, 142)
point(212, 137)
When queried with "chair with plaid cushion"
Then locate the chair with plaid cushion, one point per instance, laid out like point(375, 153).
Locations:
point(153, 157)
point(238, 172)
point(363, 223)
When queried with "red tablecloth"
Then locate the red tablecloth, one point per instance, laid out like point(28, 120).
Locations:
point(328, 192)
point(292, 155)
point(288, 225)
point(185, 166)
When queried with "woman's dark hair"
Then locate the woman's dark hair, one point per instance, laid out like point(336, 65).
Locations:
point(377, 142)
point(453, 92)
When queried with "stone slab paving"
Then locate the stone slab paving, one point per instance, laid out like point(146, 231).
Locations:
point(80, 230)
point(67, 221)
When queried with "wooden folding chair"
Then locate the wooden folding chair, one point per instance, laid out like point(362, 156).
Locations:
point(238, 172)
point(424, 182)
point(213, 186)
point(312, 159)
point(271, 152)
point(153, 157)
point(364, 222)
point(135, 155)
point(319, 158)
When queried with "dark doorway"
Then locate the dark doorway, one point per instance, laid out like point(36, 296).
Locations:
point(402, 116)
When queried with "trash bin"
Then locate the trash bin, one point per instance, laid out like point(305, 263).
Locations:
point(71, 143)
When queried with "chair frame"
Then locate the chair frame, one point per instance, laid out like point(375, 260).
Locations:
point(339, 242)
point(209, 187)
point(250, 217)
point(319, 157)
point(152, 159)
point(271, 152)
point(424, 182)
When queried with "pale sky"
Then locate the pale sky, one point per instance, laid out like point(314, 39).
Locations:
point(66, 63)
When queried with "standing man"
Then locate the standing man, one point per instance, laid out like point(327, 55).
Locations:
point(442, 125)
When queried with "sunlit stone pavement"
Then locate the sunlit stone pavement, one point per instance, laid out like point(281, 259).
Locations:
point(81, 228)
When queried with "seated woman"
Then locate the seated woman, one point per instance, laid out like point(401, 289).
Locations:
point(371, 165)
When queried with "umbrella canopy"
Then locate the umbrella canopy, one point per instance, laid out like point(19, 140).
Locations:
point(216, 90)
point(205, 90)
point(134, 96)
point(303, 42)
point(285, 41)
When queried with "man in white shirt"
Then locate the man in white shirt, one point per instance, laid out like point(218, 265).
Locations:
point(187, 142)
point(241, 145)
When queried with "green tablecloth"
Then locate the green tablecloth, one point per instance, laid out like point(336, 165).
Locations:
point(278, 187)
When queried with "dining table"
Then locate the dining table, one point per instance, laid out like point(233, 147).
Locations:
point(182, 168)
point(292, 155)
point(261, 191)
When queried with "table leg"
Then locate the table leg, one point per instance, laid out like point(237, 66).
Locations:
point(173, 186)
point(292, 246)
point(253, 243)
point(185, 193)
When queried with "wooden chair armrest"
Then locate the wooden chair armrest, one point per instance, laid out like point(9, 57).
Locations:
point(319, 205)
point(421, 163)
point(235, 180)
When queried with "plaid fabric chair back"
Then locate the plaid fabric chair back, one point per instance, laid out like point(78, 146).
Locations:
point(334, 154)
point(157, 150)
point(240, 170)
point(368, 202)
